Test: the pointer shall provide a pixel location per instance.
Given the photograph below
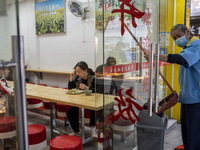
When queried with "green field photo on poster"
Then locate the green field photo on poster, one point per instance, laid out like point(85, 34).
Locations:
point(50, 16)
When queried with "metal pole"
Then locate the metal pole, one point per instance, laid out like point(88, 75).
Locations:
point(140, 60)
point(20, 98)
point(157, 67)
point(151, 78)
point(53, 121)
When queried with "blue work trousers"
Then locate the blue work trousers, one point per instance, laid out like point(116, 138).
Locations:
point(190, 126)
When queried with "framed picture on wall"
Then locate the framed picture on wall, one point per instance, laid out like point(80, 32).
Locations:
point(104, 8)
point(50, 16)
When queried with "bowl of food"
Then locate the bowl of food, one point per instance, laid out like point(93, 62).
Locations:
point(87, 92)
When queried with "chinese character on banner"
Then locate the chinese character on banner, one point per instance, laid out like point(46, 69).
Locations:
point(146, 42)
point(127, 113)
point(134, 12)
point(147, 17)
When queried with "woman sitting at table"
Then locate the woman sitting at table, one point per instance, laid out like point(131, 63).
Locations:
point(82, 78)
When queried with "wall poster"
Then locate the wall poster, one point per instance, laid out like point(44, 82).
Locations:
point(50, 16)
point(104, 8)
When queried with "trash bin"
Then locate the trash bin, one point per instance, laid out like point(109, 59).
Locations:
point(150, 131)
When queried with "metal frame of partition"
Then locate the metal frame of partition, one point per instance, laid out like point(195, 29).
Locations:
point(19, 87)
point(20, 96)
point(154, 68)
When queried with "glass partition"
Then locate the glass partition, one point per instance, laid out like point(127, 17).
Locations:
point(13, 130)
point(8, 27)
point(125, 31)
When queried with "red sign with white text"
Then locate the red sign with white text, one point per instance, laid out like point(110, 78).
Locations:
point(129, 67)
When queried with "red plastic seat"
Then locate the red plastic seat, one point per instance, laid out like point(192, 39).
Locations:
point(87, 116)
point(180, 147)
point(44, 105)
point(55, 86)
point(37, 136)
point(66, 142)
point(61, 110)
point(34, 103)
point(47, 104)
point(42, 84)
point(122, 127)
point(7, 127)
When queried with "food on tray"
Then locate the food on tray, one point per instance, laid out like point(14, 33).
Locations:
point(74, 91)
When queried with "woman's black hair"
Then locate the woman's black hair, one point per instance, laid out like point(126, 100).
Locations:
point(110, 61)
point(84, 66)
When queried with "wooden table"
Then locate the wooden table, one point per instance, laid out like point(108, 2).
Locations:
point(39, 72)
point(58, 95)
point(47, 71)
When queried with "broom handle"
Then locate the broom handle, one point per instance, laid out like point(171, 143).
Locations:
point(164, 79)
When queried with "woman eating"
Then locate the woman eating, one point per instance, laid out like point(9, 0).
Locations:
point(82, 78)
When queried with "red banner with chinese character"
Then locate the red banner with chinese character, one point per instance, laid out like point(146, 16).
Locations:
point(129, 67)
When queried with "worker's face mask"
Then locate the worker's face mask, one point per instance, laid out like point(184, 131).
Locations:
point(182, 41)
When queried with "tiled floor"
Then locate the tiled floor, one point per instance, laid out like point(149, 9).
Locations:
point(172, 138)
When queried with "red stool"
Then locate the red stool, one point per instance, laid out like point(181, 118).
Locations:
point(87, 116)
point(37, 136)
point(34, 103)
point(122, 127)
point(66, 142)
point(61, 110)
point(7, 127)
point(46, 104)
point(55, 86)
point(181, 147)
point(42, 84)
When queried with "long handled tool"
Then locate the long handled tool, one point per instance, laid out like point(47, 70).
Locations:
point(171, 99)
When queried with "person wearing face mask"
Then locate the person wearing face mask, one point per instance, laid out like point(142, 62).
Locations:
point(189, 73)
